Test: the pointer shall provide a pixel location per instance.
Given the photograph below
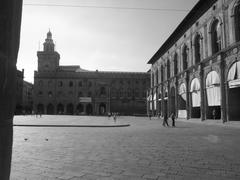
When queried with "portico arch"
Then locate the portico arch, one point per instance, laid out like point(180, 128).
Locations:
point(213, 95)
point(40, 108)
point(196, 98)
point(233, 80)
point(182, 100)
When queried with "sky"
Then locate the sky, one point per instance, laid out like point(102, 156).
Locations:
point(107, 39)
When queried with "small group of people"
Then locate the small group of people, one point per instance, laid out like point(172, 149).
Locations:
point(114, 114)
point(165, 119)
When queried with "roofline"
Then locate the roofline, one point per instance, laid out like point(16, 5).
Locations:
point(197, 11)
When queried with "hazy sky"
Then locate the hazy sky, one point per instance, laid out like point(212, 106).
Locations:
point(98, 38)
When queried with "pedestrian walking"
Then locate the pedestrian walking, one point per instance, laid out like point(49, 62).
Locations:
point(165, 120)
point(115, 117)
point(150, 116)
point(173, 119)
point(109, 115)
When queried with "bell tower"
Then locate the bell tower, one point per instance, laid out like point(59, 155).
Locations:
point(48, 59)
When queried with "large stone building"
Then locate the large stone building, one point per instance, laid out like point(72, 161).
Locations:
point(196, 72)
point(24, 95)
point(73, 90)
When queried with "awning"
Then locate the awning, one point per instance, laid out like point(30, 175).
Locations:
point(214, 96)
point(234, 75)
point(195, 85)
point(154, 96)
point(213, 89)
point(212, 79)
point(182, 89)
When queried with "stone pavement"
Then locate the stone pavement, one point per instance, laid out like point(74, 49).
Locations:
point(143, 151)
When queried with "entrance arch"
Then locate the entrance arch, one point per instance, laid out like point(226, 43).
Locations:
point(50, 109)
point(40, 108)
point(102, 109)
point(196, 98)
point(213, 95)
point(182, 99)
point(80, 108)
point(234, 91)
point(89, 109)
point(60, 109)
point(70, 109)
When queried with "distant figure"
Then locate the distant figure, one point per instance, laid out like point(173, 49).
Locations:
point(115, 117)
point(214, 114)
point(109, 115)
point(150, 116)
point(173, 119)
point(165, 120)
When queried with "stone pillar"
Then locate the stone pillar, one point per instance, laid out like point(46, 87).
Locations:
point(147, 95)
point(10, 22)
point(176, 97)
point(223, 92)
point(202, 91)
point(187, 96)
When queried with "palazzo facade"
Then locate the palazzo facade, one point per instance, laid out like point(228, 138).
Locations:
point(73, 90)
point(196, 72)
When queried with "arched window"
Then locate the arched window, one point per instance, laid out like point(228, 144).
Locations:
point(102, 91)
point(80, 83)
point(137, 93)
point(89, 94)
point(168, 69)
point(216, 36)
point(156, 76)
point(162, 74)
point(70, 84)
point(89, 84)
point(50, 94)
point(197, 48)
point(184, 57)
point(40, 83)
point(60, 83)
point(237, 21)
point(129, 93)
point(175, 61)
point(80, 94)
point(50, 83)
point(40, 93)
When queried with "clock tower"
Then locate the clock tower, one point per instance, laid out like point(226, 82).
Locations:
point(48, 59)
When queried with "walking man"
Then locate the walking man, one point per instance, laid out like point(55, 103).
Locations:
point(173, 119)
point(165, 119)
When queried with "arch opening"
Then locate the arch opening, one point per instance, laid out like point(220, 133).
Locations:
point(182, 101)
point(213, 96)
point(70, 109)
point(60, 109)
point(50, 109)
point(234, 91)
point(196, 98)
point(102, 109)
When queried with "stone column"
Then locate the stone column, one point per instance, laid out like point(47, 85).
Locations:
point(10, 22)
point(187, 95)
point(176, 97)
point(223, 91)
point(203, 112)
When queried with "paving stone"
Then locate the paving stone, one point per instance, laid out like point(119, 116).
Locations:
point(144, 151)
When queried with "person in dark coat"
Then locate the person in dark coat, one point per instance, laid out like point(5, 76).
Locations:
point(165, 119)
point(173, 119)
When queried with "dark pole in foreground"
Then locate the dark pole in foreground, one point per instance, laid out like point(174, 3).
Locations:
point(10, 22)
